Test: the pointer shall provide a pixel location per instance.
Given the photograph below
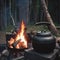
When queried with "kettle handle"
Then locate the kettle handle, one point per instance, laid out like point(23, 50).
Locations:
point(43, 23)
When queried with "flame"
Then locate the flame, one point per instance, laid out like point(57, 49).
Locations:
point(20, 37)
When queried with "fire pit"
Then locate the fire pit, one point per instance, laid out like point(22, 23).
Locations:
point(19, 40)
point(18, 43)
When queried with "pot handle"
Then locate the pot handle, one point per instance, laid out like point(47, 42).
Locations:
point(43, 23)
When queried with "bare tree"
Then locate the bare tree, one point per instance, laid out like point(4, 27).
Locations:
point(52, 27)
point(34, 12)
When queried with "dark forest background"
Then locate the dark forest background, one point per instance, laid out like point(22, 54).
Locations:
point(28, 10)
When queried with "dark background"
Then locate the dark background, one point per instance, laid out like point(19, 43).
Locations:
point(28, 10)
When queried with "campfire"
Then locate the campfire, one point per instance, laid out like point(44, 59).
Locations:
point(20, 41)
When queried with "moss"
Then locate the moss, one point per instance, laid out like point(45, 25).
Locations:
point(30, 28)
point(9, 28)
point(37, 28)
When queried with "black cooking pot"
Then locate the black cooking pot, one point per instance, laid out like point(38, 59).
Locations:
point(43, 42)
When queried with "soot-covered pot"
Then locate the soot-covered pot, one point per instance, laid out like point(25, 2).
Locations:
point(43, 42)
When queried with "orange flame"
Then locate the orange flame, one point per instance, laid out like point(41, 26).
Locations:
point(21, 37)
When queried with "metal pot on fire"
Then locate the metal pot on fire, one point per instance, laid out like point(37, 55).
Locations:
point(43, 41)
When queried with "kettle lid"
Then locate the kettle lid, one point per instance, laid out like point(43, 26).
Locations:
point(43, 33)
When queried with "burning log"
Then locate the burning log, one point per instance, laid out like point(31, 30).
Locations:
point(15, 43)
point(11, 41)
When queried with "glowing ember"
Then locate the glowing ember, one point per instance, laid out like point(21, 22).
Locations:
point(20, 37)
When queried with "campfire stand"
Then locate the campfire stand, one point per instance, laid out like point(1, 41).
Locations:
point(15, 54)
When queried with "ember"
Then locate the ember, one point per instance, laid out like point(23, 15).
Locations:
point(20, 41)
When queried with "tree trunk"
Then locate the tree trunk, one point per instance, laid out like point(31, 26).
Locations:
point(34, 12)
point(1, 15)
point(48, 18)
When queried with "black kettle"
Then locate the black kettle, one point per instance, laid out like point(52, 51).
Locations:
point(43, 42)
